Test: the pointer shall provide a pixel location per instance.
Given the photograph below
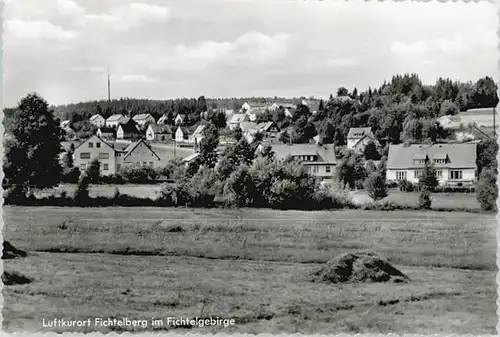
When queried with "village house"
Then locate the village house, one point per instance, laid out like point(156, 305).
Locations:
point(162, 120)
point(359, 137)
point(106, 133)
point(245, 107)
point(181, 134)
point(97, 120)
point(320, 160)
point(114, 157)
point(455, 164)
point(274, 107)
point(179, 119)
point(143, 119)
point(159, 133)
point(115, 120)
point(235, 121)
point(196, 136)
point(128, 131)
point(69, 133)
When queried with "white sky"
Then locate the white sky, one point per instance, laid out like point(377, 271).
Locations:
point(185, 48)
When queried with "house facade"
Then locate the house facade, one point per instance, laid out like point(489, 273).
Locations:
point(179, 119)
point(359, 137)
point(106, 133)
point(320, 160)
point(93, 148)
point(128, 131)
point(97, 120)
point(158, 133)
point(455, 164)
point(113, 157)
point(235, 121)
point(115, 120)
point(143, 119)
point(137, 153)
point(197, 135)
point(181, 135)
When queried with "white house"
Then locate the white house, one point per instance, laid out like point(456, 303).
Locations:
point(197, 135)
point(143, 119)
point(236, 119)
point(359, 137)
point(274, 107)
point(455, 164)
point(158, 133)
point(320, 160)
point(162, 120)
point(245, 107)
point(115, 120)
point(179, 119)
point(113, 157)
point(97, 120)
point(181, 135)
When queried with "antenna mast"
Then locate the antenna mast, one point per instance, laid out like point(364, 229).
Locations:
point(109, 88)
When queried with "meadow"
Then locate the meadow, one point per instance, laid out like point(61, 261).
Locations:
point(251, 265)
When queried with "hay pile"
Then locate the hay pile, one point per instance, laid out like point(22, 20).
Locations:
point(10, 278)
point(11, 252)
point(362, 267)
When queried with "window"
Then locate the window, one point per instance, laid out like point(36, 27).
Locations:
point(144, 163)
point(98, 144)
point(105, 167)
point(151, 163)
point(418, 161)
point(138, 163)
point(328, 169)
point(85, 155)
point(401, 175)
point(417, 173)
point(315, 169)
point(455, 174)
point(439, 173)
point(439, 161)
point(83, 166)
point(103, 155)
point(91, 145)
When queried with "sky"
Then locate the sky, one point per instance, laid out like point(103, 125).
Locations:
point(163, 49)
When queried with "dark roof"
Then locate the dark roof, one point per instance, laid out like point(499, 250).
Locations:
point(130, 127)
point(325, 153)
point(459, 155)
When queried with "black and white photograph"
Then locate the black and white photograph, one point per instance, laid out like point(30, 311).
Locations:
point(250, 166)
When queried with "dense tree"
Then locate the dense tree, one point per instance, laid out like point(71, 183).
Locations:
point(94, 171)
point(375, 186)
point(487, 190)
point(32, 152)
point(428, 179)
point(208, 145)
point(370, 151)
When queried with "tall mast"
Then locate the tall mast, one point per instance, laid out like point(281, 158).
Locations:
point(109, 87)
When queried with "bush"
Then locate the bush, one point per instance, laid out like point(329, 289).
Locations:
point(405, 186)
point(15, 195)
point(239, 188)
point(487, 190)
point(424, 199)
point(71, 175)
point(139, 174)
point(375, 186)
point(81, 196)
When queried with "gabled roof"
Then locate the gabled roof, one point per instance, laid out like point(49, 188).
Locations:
point(184, 130)
point(95, 117)
point(140, 117)
point(481, 111)
point(325, 153)
point(162, 119)
point(92, 138)
point(248, 126)
point(132, 146)
point(160, 129)
point(459, 155)
point(358, 133)
point(129, 127)
point(115, 117)
point(238, 118)
point(266, 125)
point(199, 130)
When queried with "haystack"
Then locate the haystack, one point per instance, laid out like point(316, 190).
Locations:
point(11, 252)
point(364, 267)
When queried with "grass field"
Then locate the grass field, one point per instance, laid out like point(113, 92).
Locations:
point(251, 265)
point(439, 200)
